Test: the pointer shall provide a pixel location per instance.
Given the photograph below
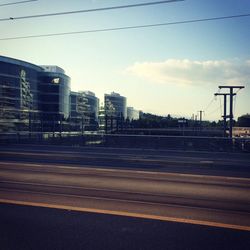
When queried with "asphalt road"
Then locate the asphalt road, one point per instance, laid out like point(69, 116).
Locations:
point(198, 199)
point(185, 192)
point(29, 228)
point(205, 163)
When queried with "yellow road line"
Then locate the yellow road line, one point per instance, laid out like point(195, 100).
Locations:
point(129, 214)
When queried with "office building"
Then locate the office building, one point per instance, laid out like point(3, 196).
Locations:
point(32, 98)
point(132, 114)
point(115, 105)
point(92, 109)
point(84, 108)
point(54, 92)
point(19, 102)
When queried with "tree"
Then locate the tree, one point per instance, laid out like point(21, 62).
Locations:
point(244, 121)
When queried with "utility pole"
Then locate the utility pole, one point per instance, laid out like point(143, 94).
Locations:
point(231, 95)
point(225, 112)
point(195, 124)
point(192, 119)
point(200, 111)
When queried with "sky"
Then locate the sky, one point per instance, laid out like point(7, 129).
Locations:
point(172, 69)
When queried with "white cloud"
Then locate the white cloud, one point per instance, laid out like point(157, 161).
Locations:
point(187, 72)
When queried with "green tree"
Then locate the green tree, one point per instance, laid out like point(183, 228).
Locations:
point(244, 121)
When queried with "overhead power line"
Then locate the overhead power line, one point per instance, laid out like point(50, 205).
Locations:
point(124, 28)
point(19, 2)
point(91, 10)
point(215, 110)
point(210, 103)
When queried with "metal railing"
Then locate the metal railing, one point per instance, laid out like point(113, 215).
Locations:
point(187, 143)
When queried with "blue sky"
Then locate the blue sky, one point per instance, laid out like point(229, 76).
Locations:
point(164, 70)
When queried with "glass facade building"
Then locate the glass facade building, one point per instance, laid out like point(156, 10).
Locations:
point(84, 106)
point(38, 99)
point(115, 105)
point(54, 92)
point(92, 109)
point(132, 114)
point(30, 95)
point(19, 98)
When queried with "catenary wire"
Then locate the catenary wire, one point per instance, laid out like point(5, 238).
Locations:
point(125, 27)
point(210, 103)
point(237, 91)
point(91, 10)
point(215, 110)
point(19, 2)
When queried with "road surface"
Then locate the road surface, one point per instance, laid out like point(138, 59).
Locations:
point(26, 227)
point(210, 163)
point(147, 185)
